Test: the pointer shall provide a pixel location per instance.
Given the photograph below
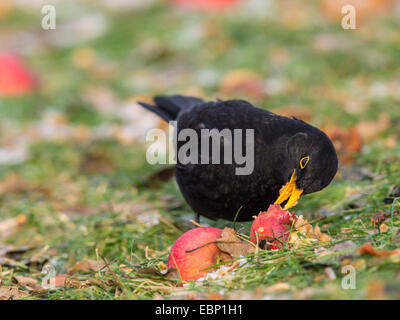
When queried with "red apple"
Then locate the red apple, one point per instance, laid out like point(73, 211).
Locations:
point(15, 78)
point(203, 252)
point(207, 5)
point(273, 225)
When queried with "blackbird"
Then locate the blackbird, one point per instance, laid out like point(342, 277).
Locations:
point(291, 157)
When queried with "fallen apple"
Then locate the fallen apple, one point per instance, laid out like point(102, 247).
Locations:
point(194, 252)
point(272, 227)
point(15, 78)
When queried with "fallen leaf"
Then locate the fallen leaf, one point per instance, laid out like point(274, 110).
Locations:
point(12, 183)
point(371, 129)
point(376, 289)
point(10, 226)
point(383, 228)
point(27, 283)
point(6, 6)
point(347, 142)
point(65, 281)
point(84, 266)
point(231, 244)
point(368, 248)
point(278, 287)
point(243, 83)
point(303, 233)
point(61, 280)
point(170, 273)
point(96, 161)
point(11, 252)
point(84, 58)
point(11, 293)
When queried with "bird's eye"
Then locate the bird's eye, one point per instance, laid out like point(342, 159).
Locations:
point(304, 161)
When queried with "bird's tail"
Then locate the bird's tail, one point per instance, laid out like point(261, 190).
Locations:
point(169, 107)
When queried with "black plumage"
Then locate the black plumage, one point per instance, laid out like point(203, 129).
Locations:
point(284, 148)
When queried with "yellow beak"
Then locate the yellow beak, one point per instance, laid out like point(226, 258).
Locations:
point(289, 191)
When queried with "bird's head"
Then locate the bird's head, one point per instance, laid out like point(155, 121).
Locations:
point(311, 165)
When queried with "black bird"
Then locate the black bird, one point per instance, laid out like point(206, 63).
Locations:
point(291, 158)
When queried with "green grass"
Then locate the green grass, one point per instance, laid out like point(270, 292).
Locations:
point(85, 199)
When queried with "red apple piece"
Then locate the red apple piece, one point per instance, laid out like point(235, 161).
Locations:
point(273, 225)
point(195, 251)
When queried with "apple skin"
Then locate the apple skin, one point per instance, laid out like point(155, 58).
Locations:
point(190, 265)
point(274, 223)
point(15, 78)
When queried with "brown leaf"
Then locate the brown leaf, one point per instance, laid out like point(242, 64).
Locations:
point(11, 293)
point(12, 183)
point(11, 252)
point(170, 273)
point(97, 161)
point(230, 243)
point(370, 130)
point(347, 142)
point(84, 266)
point(9, 227)
point(278, 287)
point(25, 281)
point(368, 248)
point(381, 216)
point(63, 280)
point(243, 82)
point(304, 233)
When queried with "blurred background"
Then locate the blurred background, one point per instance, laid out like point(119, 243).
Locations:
point(80, 81)
point(72, 151)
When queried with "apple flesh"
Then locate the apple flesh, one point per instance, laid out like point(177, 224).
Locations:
point(202, 254)
point(272, 226)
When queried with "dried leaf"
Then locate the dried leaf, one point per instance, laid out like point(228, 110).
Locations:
point(170, 273)
point(368, 248)
point(278, 287)
point(11, 293)
point(95, 161)
point(84, 266)
point(370, 130)
point(303, 233)
point(64, 281)
point(27, 283)
point(11, 252)
point(231, 244)
point(9, 227)
point(243, 82)
point(347, 142)
point(383, 228)
point(381, 216)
